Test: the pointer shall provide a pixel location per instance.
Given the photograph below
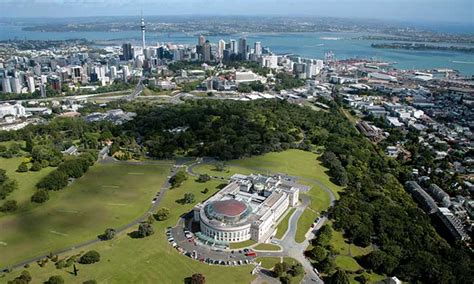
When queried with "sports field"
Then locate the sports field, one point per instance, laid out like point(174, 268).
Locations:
point(106, 196)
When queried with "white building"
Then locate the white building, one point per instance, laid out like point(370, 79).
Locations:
point(7, 109)
point(6, 87)
point(258, 48)
point(31, 84)
point(245, 77)
point(15, 85)
point(247, 208)
point(220, 48)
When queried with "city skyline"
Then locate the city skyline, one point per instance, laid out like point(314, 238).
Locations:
point(458, 11)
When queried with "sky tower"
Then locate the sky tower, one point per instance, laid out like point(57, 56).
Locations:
point(142, 26)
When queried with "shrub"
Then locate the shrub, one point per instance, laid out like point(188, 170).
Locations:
point(90, 257)
point(55, 180)
point(22, 168)
point(162, 214)
point(40, 196)
point(56, 279)
point(145, 230)
point(9, 206)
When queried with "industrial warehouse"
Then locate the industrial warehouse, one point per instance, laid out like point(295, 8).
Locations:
point(249, 207)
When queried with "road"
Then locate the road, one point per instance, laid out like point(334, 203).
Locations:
point(165, 186)
point(290, 247)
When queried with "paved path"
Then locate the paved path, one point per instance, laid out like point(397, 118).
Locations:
point(166, 185)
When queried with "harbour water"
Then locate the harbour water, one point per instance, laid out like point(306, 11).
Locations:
point(312, 45)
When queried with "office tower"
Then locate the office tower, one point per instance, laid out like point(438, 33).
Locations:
point(202, 40)
point(43, 90)
point(207, 52)
point(55, 83)
point(258, 48)
point(143, 27)
point(126, 73)
point(233, 46)
point(113, 72)
point(220, 48)
point(243, 48)
point(6, 87)
point(15, 85)
point(31, 84)
point(127, 51)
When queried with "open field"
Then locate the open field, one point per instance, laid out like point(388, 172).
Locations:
point(268, 262)
point(152, 259)
point(26, 183)
point(106, 196)
point(283, 225)
point(304, 223)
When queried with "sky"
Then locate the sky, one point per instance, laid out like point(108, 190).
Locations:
point(456, 11)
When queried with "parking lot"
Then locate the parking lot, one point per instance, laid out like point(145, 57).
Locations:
point(187, 244)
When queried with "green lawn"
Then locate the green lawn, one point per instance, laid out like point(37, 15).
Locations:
point(149, 260)
point(26, 183)
point(107, 196)
point(243, 244)
point(268, 262)
point(347, 263)
point(283, 225)
point(267, 247)
point(304, 223)
point(342, 247)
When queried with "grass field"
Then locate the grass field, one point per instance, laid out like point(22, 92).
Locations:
point(107, 196)
point(268, 262)
point(149, 260)
point(271, 247)
point(26, 183)
point(304, 223)
point(283, 225)
point(242, 244)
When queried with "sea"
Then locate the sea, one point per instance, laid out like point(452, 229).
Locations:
point(316, 45)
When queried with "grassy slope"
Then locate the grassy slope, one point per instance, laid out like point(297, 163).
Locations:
point(107, 196)
point(150, 260)
point(283, 225)
point(267, 247)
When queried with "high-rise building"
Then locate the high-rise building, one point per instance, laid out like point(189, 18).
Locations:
point(202, 40)
point(243, 48)
point(127, 51)
point(143, 27)
point(221, 48)
point(6, 87)
point(207, 52)
point(113, 72)
point(126, 73)
point(15, 85)
point(258, 48)
point(233, 46)
point(31, 84)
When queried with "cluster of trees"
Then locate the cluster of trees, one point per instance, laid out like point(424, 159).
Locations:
point(203, 178)
point(286, 81)
point(7, 185)
point(254, 66)
point(336, 171)
point(285, 271)
point(23, 278)
point(144, 230)
point(196, 278)
point(178, 179)
point(90, 257)
point(322, 252)
point(162, 214)
point(375, 209)
point(13, 150)
point(223, 129)
point(71, 168)
point(255, 86)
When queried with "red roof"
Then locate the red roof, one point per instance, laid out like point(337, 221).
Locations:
point(230, 208)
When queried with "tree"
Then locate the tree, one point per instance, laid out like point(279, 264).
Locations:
point(206, 190)
point(319, 253)
point(22, 168)
point(178, 179)
point(198, 278)
point(90, 257)
point(9, 206)
point(24, 278)
point(220, 166)
point(281, 269)
point(188, 198)
point(204, 178)
point(7, 187)
point(36, 166)
point(297, 269)
point(55, 180)
point(324, 235)
point(56, 279)
point(40, 196)
point(162, 214)
point(109, 233)
point(145, 230)
point(339, 277)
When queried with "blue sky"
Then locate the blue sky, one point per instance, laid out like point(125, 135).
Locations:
point(461, 11)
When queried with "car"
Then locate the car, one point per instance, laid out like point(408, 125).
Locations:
point(232, 252)
point(240, 251)
point(316, 271)
point(235, 262)
point(240, 262)
point(247, 261)
point(246, 249)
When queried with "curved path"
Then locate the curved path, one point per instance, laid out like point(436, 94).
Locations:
point(165, 186)
point(290, 247)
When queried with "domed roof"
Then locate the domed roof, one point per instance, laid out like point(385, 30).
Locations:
point(228, 208)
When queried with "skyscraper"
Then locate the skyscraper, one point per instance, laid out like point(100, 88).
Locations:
point(6, 87)
point(207, 52)
point(243, 48)
point(202, 40)
point(258, 48)
point(143, 27)
point(233, 46)
point(127, 51)
point(221, 48)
